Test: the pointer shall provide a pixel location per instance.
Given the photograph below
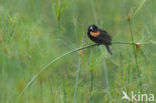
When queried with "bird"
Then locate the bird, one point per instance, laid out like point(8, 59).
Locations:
point(100, 36)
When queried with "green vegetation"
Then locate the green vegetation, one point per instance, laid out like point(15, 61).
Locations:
point(45, 57)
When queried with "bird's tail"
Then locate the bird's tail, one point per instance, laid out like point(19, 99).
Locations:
point(108, 49)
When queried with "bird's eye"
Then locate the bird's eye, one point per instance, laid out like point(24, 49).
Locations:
point(91, 28)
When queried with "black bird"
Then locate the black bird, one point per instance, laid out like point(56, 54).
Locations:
point(99, 36)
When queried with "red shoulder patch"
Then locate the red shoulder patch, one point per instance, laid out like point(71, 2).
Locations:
point(95, 34)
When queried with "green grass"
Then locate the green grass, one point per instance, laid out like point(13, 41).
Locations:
point(37, 36)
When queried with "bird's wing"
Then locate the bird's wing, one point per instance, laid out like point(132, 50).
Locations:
point(105, 37)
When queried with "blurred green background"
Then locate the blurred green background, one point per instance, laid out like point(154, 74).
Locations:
point(34, 32)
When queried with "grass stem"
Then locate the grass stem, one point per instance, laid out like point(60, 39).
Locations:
point(77, 81)
point(94, 12)
point(106, 73)
point(64, 89)
point(58, 58)
point(91, 85)
point(134, 49)
point(51, 62)
point(135, 56)
point(117, 42)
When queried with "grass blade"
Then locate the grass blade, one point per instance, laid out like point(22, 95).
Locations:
point(53, 61)
point(56, 59)
point(139, 8)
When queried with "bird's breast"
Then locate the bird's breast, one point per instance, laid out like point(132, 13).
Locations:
point(95, 34)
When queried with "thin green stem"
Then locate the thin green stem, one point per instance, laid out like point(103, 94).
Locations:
point(139, 8)
point(94, 12)
point(136, 61)
point(117, 42)
point(106, 74)
point(64, 90)
point(51, 62)
point(77, 81)
point(56, 59)
point(134, 49)
point(91, 85)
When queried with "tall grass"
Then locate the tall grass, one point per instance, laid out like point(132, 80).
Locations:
point(77, 82)
point(37, 66)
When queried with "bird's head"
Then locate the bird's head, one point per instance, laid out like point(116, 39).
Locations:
point(92, 28)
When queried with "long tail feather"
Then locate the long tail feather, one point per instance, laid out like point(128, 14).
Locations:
point(108, 49)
